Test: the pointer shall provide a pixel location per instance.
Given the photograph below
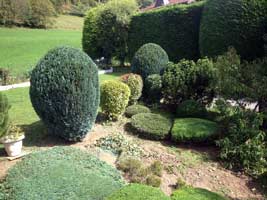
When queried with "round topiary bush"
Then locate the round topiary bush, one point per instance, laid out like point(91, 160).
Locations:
point(62, 173)
point(193, 129)
point(153, 86)
point(151, 126)
point(237, 23)
point(149, 59)
point(136, 109)
point(191, 108)
point(138, 192)
point(4, 117)
point(114, 98)
point(135, 83)
point(65, 92)
point(189, 193)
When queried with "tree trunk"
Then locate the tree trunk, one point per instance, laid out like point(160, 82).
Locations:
point(263, 109)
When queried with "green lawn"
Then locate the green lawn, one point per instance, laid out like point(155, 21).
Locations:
point(22, 48)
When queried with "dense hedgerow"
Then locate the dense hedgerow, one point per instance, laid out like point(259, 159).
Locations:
point(135, 83)
point(114, 98)
point(149, 59)
point(138, 192)
point(151, 126)
point(153, 86)
point(193, 129)
point(189, 193)
point(237, 23)
point(191, 108)
point(136, 109)
point(62, 173)
point(65, 92)
point(4, 117)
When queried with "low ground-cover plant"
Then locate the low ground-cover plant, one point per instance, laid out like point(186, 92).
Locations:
point(138, 192)
point(194, 129)
point(114, 98)
point(191, 108)
point(153, 86)
point(4, 116)
point(136, 109)
point(62, 172)
point(151, 126)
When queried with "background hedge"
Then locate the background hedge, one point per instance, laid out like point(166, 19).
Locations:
point(238, 23)
point(175, 28)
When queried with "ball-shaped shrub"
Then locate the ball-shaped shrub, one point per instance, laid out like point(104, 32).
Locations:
point(65, 92)
point(4, 116)
point(151, 126)
point(237, 23)
point(136, 109)
point(62, 173)
point(138, 192)
point(153, 86)
point(135, 83)
point(149, 59)
point(189, 193)
point(193, 129)
point(191, 108)
point(114, 98)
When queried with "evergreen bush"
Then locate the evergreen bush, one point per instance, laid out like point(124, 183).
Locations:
point(191, 108)
point(4, 117)
point(153, 87)
point(136, 109)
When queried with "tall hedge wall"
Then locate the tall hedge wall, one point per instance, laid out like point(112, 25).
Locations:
point(175, 28)
point(238, 23)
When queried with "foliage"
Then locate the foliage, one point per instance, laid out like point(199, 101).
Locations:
point(62, 172)
point(189, 80)
point(175, 28)
point(13, 134)
point(4, 76)
point(153, 86)
point(194, 129)
point(265, 43)
point(136, 109)
point(135, 83)
point(151, 126)
point(138, 192)
point(106, 29)
point(188, 193)
point(144, 3)
point(149, 59)
point(4, 116)
point(191, 108)
point(65, 92)
point(118, 144)
point(237, 23)
point(114, 98)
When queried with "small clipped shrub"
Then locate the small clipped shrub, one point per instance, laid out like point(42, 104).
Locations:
point(149, 59)
point(136, 109)
point(191, 108)
point(65, 92)
point(138, 192)
point(151, 126)
point(62, 173)
point(193, 129)
point(189, 193)
point(135, 83)
point(153, 181)
point(114, 98)
point(153, 86)
point(4, 117)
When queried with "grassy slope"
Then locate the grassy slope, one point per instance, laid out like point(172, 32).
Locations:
point(68, 22)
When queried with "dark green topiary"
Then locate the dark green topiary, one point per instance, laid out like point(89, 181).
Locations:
point(136, 109)
point(191, 108)
point(151, 126)
point(65, 92)
point(153, 86)
point(193, 129)
point(149, 59)
point(62, 173)
point(237, 23)
point(190, 193)
point(4, 117)
point(138, 192)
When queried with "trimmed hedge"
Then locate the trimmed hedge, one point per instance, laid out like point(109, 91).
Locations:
point(62, 173)
point(138, 192)
point(151, 126)
point(136, 109)
point(65, 92)
point(149, 59)
point(175, 28)
point(153, 86)
point(237, 23)
point(193, 129)
point(191, 108)
point(190, 193)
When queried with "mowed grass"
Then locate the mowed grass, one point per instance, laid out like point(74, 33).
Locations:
point(68, 22)
point(20, 48)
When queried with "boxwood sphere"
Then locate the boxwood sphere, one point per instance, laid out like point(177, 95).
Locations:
point(149, 59)
point(237, 23)
point(65, 92)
